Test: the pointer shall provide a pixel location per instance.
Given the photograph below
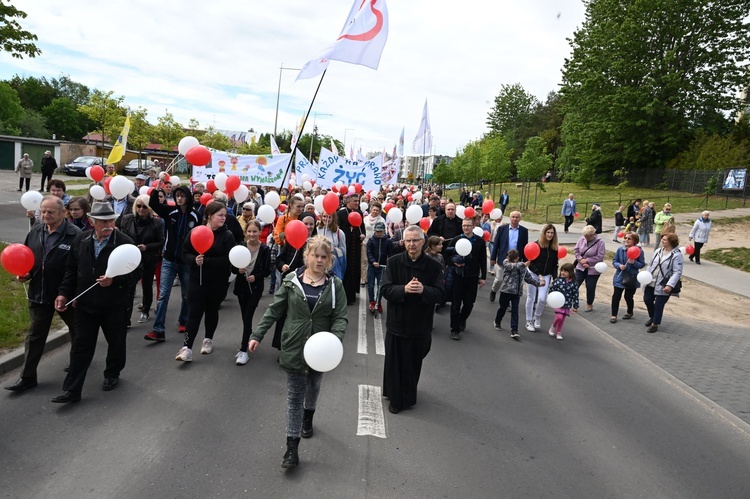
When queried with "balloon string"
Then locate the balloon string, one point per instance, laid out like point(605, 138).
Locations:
point(26, 290)
point(295, 254)
point(201, 275)
point(74, 299)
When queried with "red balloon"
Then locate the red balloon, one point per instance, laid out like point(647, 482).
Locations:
point(488, 206)
point(424, 224)
point(577, 215)
point(170, 203)
point(689, 249)
point(355, 219)
point(295, 234)
point(357, 188)
point(531, 251)
point(331, 203)
point(97, 173)
point(634, 252)
point(206, 198)
point(409, 198)
point(211, 186)
point(202, 238)
point(198, 156)
point(106, 185)
point(487, 236)
point(562, 252)
point(166, 177)
point(469, 212)
point(621, 234)
point(17, 259)
point(387, 207)
point(233, 183)
point(334, 188)
point(282, 208)
point(150, 190)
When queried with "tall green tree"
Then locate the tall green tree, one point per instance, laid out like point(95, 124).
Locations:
point(33, 124)
point(510, 115)
point(106, 114)
point(35, 93)
point(11, 110)
point(64, 120)
point(77, 93)
point(644, 75)
point(496, 164)
point(141, 131)
point(13, 38)
point(535, 161)
point(168, 132)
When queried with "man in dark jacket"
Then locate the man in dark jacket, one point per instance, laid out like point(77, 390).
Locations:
point(412, 285)
point(179, 220)
point(354, 237)
point(50, 241)
point(49, 165)
point(102, 308)
point(469, 275)
point(511, 236)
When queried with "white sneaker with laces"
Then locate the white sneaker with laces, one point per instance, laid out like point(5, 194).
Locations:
point(559, 336)
point(552, 331)
point(242, 358)
point(207, 347)
point(530, 326)
point(143, 318)
point(537, 323)
point(185, 355)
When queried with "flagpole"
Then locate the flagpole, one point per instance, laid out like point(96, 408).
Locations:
point(302, 129)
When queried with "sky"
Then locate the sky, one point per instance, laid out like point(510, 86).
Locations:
point(218, 62)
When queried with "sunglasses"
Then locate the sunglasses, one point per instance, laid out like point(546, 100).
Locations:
point(141, 206)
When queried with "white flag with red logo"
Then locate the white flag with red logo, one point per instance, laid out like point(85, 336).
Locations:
point(361, 40)
point(274, 147)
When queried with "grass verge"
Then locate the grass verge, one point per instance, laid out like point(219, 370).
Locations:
point(14, 321)
point(738, 258)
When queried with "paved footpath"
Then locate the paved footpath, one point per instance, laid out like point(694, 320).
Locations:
point(712, 359)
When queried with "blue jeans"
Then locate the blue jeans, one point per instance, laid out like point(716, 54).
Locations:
point(169, 270)
point(372, 274)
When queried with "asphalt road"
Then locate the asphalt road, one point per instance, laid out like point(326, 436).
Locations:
point(583, 417)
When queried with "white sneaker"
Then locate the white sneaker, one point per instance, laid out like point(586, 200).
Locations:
point(242, 358)
point(537, 323)
point(559, 336)
point(143, 318)
point(207, 347)
point(185, 355)
point(530, 326)
point(552, 331)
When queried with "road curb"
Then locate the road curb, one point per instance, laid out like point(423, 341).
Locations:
point(14, 359)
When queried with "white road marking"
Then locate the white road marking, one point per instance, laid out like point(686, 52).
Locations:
point(362, 324)
point(379, 343)
point(370, 420)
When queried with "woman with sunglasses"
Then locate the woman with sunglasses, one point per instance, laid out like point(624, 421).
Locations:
point(662, 220)
point(148, 234)
point(626, 270)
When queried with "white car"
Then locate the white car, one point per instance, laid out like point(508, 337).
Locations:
point(137, 166)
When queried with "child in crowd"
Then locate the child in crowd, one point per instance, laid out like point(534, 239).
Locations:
point(511, 289)
point(565, 284)
point(434, 250)
point(379, 249)
point(619, 222)
point(632, 225)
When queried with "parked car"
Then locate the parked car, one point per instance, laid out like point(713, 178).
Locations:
point(137, 166)
point(78, 166)
point(453, 186)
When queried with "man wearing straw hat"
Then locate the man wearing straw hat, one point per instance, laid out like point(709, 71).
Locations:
point(50, 241)
point(103, 308)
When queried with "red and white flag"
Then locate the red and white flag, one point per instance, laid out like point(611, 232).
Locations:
point(335, 149)
point(274, 147)
point(361, 40)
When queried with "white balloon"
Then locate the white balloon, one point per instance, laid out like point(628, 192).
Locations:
point(292, 183)
point(97, 192)
point(119, 186)
point(187, 143)
point(318, 202)
point(241, 193)
point(88, 173)
point(601, 267)
point(363, 207)
point(683, 250)
point(240, 256)
point(351, 189)
point(143, 191)
point(478, 232)
point(323, 351)
point(266, 214)
point(460, 211)
point(644, 277)
point(31, 200)
point(395, 215)
point(175, 180)
point(339, 185)
point(123, 260)
point(162, 175)
point(555, 299)
point(496, 214)
point(405, 192)
point(305, 178)
point(417, 196)
point(463, 247)
point(307, 185)
point(221, 180)
point(272, 199)
point(414, 214)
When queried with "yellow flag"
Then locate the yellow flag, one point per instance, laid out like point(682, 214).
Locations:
point(118, 150)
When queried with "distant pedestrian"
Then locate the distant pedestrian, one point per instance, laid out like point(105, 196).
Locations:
point(504, 200)
point(566, 285)
point(515, 273)
point(619, 223)
point(699, 235)
point(663, 219)
point(569, 211)
point(595, 219)
point(24, 168)
point(49, 165)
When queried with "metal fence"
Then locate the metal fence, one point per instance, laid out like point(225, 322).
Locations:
point(692, 181)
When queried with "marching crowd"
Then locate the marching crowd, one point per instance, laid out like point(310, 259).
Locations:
point(318, 252)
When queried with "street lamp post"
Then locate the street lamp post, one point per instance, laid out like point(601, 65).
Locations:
point(312, 137)
point(278, 94)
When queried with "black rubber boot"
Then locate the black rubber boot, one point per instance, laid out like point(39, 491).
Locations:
point(291, 457)
point(307, 428)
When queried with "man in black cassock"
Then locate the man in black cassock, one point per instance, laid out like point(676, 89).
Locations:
point(412, 285)
point(354, 238)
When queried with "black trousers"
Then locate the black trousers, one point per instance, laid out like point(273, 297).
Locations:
point(462, 301)
point(569, 221)
point(46, 177)
point(41, 319)
point(590, 281)
point(248, 306)
point(147, 288)
point(204, 300)
point(617, 295)
point(112, 322)
point(403, 366)
point(697, 254)
point(20, 183)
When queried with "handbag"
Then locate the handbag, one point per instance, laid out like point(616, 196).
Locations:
point(677, 287)
point(629, 281)
point(575, 262)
